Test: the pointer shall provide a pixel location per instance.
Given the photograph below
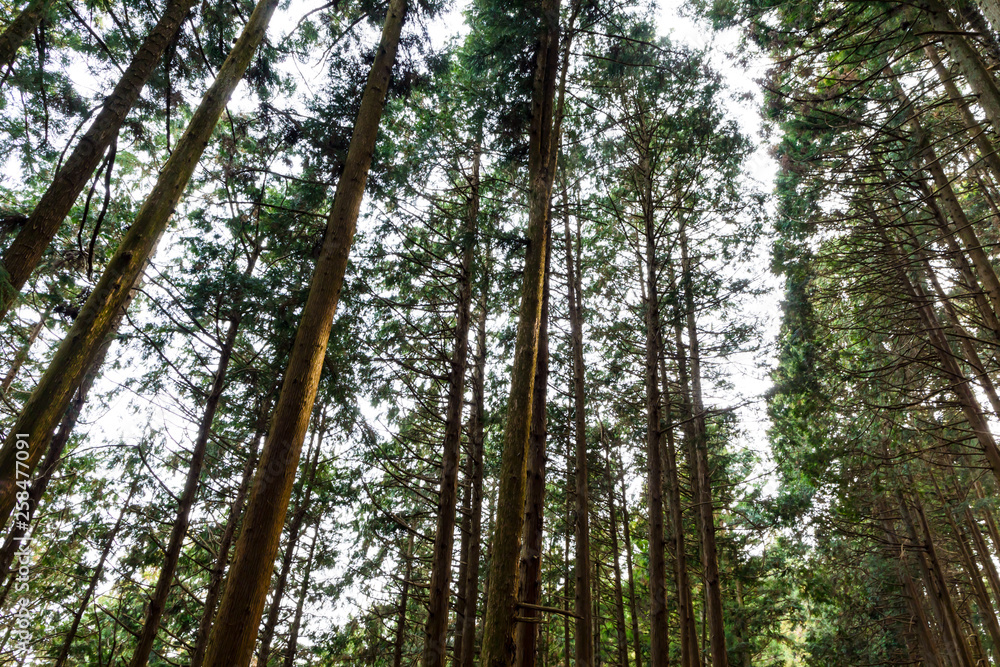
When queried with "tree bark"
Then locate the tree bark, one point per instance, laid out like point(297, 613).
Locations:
point(633, 604)
point(476, 437)
point(235, 630)
point(436, 629)
point(530, 566)
point(298, 517)
point(700, 471)
point(49, 399)
point(498, 648)
point(20, 29)
point(404, 599)
point(25, 251)
point(616, 563)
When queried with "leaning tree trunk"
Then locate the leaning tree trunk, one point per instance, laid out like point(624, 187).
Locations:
point(235, 630)
point(25, 251)
point(298, 517)
point(22, 354)
point(20, 29)
point(530, 566)
point(165, 581)
point(55, 389)
point(226, 543)
point(436, 629)
point(498, 649)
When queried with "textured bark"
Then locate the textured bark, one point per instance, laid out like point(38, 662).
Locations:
point(48, 401)
point(20, 29)
point(404, 600)
point(498, 648)
point(700, 471)
point(293, 631)
point(991, 10)
point(235, 630)
point(95, 578)
point(476, 436)
point(530, 566)
point(25, 251)
point(226, 543)
point(616, 562)
point(581, 526)
point(165, 581)
point(462, 584)
point(294, 527)
point(983, 86)
point(436, 629)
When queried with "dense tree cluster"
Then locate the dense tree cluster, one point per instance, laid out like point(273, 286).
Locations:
point(326, 341)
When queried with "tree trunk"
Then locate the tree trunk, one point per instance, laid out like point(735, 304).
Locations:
point(235, 630)
point(94, 580)
point(298, 517)
point(498, 649)
point(530, 566)
point(436, 630)
point(49, 399)
point(616, 564)
point(476, 436)
point(293, 631)
point(980, 80)
point(633, 604)
point(24, 253)
point(19, 30)
point(226, 543)
point(165, 581)
point(700, 471)
point(659, 646)
point(404, 599)
point(581, 526)
point(461, 591)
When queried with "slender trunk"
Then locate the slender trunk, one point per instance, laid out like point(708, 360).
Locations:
point(25, 251)
point(461, 591)
point(404, 599)
point(158, 601)
point(982, 597)
point(616, 563)
point(633, 603)
point(109, 544)
point(581, 527)
point(476, 436)
point(530, 566)
point(499, 646)
point(436, 630)
point(293, 631)
point(298, 517)
point(690, 655)
point(55, 389)
point(984, 553)
point(971, 65)
point(235, 630)
point(22, 354)
point(937, 586)
point(20, 29)
point(226, 543)
point(659, 647)
point(698, 455)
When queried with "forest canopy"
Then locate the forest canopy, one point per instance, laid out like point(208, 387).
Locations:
point(500, 332)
